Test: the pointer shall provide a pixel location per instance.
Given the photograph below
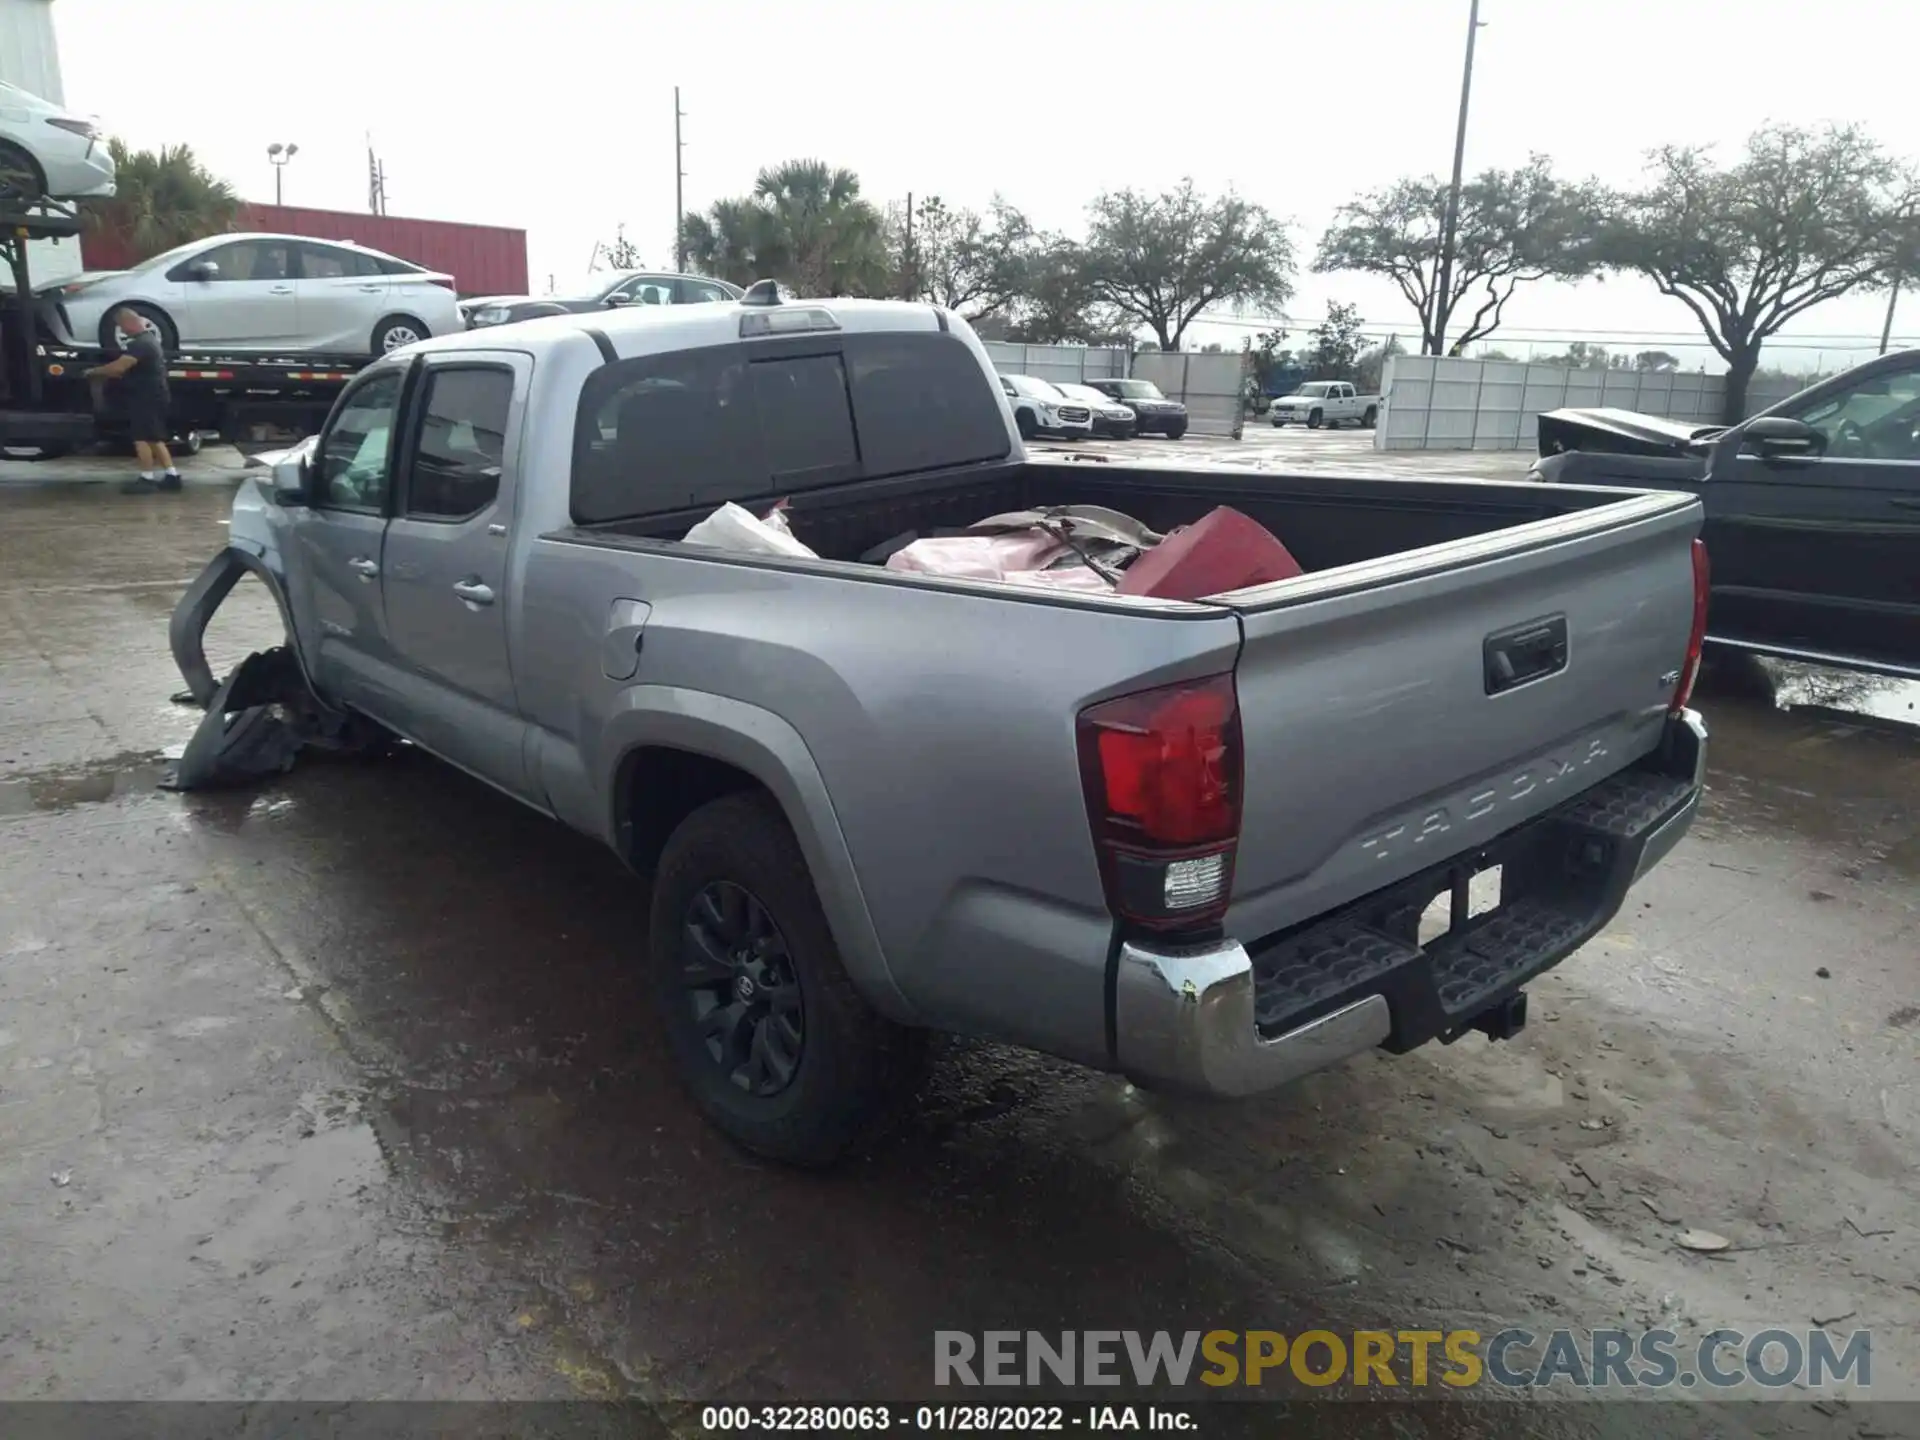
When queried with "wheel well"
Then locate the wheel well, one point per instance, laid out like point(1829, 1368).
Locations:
point(659, 787)
point(33, 161)
point(413, 320)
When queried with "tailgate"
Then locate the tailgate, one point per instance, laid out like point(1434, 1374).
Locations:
point(1373, 746)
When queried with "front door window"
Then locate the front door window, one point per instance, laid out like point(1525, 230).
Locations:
point(1878, 419)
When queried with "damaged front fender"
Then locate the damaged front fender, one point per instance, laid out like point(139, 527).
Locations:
point(261, 716)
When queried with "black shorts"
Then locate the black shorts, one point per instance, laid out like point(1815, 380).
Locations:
point(147, 418)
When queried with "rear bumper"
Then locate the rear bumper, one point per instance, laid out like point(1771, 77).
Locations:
point(1161, 424)
point(1232, 1019)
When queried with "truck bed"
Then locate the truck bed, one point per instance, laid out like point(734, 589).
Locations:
point(1326, 521)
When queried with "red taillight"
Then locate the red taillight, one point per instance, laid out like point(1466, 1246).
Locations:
point(1162, 774)
point(1690, 671)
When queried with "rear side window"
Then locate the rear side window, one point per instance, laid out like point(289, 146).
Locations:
point(663, 432)
point(667, 432)
point(921, 405)
point(805, 422)
point(329, 262)
point(455, 470)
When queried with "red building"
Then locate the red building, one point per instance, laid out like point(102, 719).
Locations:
point(483, 259)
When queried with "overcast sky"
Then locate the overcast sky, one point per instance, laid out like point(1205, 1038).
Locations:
point(559, 116)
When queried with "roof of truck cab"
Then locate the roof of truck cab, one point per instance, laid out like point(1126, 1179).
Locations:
point(656, 329)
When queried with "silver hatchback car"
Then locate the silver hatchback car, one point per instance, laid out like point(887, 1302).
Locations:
point(279, 294)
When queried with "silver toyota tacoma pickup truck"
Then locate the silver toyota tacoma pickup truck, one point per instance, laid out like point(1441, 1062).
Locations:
point(1211, 845)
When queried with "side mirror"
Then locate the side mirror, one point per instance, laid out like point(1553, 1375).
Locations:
point(1778, 436)
point(614, 302)
point(290, 483)
point(204, 270)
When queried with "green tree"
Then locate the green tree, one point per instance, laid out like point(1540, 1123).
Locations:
point(1265, 356)
point(971, 264)
point(1801, 217)
point(1580, 355)
point(1061, 305)
point(805, 225)
point(1163, 259)
point(162, 198)
point(1370, 370)
point(1513, 226)
point(1336, 343)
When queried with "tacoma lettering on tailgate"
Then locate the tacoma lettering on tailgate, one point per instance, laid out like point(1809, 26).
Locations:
point(1542, 774)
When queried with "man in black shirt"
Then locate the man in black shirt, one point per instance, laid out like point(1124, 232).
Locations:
point(141, 373)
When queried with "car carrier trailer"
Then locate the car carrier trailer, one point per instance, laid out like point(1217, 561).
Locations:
point(48, 407)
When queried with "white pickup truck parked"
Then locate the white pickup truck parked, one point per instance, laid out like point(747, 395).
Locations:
point(1325, 402)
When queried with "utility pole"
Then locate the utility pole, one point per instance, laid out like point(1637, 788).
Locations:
point(909, 271)
point(1437, 321)
point(679, 191)
point(1893, 298)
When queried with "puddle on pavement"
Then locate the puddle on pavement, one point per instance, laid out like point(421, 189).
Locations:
point(1813, 690)
point(115, 778)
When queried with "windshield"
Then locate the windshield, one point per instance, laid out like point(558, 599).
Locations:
point(1139, 390)
point(172, 257)
point(1318, 387)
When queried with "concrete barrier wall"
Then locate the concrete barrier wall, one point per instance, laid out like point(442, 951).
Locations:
point(1441, 402)
point(1211, 386)
point(1061, 364)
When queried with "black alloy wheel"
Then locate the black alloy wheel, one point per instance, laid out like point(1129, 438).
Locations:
point(742, 990)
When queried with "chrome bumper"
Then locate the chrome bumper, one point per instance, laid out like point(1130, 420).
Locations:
point(1185, 1019)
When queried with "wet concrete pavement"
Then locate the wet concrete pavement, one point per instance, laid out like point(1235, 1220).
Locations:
point(343, 1087)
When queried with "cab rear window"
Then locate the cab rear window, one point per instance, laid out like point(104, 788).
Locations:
point(745, 422)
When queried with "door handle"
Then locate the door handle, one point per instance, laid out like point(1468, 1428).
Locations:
point(473, 592)
point(1904, 504)
point(281, 290)
point(363, 567)
point(371, 289)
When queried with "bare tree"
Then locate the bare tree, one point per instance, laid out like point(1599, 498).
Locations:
point(1513, 226)
point(1803, 216)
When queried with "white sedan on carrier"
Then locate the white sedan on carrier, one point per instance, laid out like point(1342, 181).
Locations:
point(48, 151)
point(263, 294)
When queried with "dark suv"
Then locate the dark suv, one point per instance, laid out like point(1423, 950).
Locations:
point(1153, 413)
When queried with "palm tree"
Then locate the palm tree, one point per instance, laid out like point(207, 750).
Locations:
point(804, 225)
point(162, 198)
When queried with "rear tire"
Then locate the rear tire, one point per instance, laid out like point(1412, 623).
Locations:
point(805, 1069)
point(1370, 419)
point(22, 181)
point(161, 322)
point(397, 330)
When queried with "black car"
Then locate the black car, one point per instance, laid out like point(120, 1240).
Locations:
point(1812, 510)
point(623, 287)
point(1153, 412)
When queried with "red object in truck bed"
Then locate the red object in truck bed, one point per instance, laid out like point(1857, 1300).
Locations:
point(1222, 550)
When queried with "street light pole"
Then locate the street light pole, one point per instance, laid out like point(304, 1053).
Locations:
point(679, 194)
point(1437, 321)
point(279, 155)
